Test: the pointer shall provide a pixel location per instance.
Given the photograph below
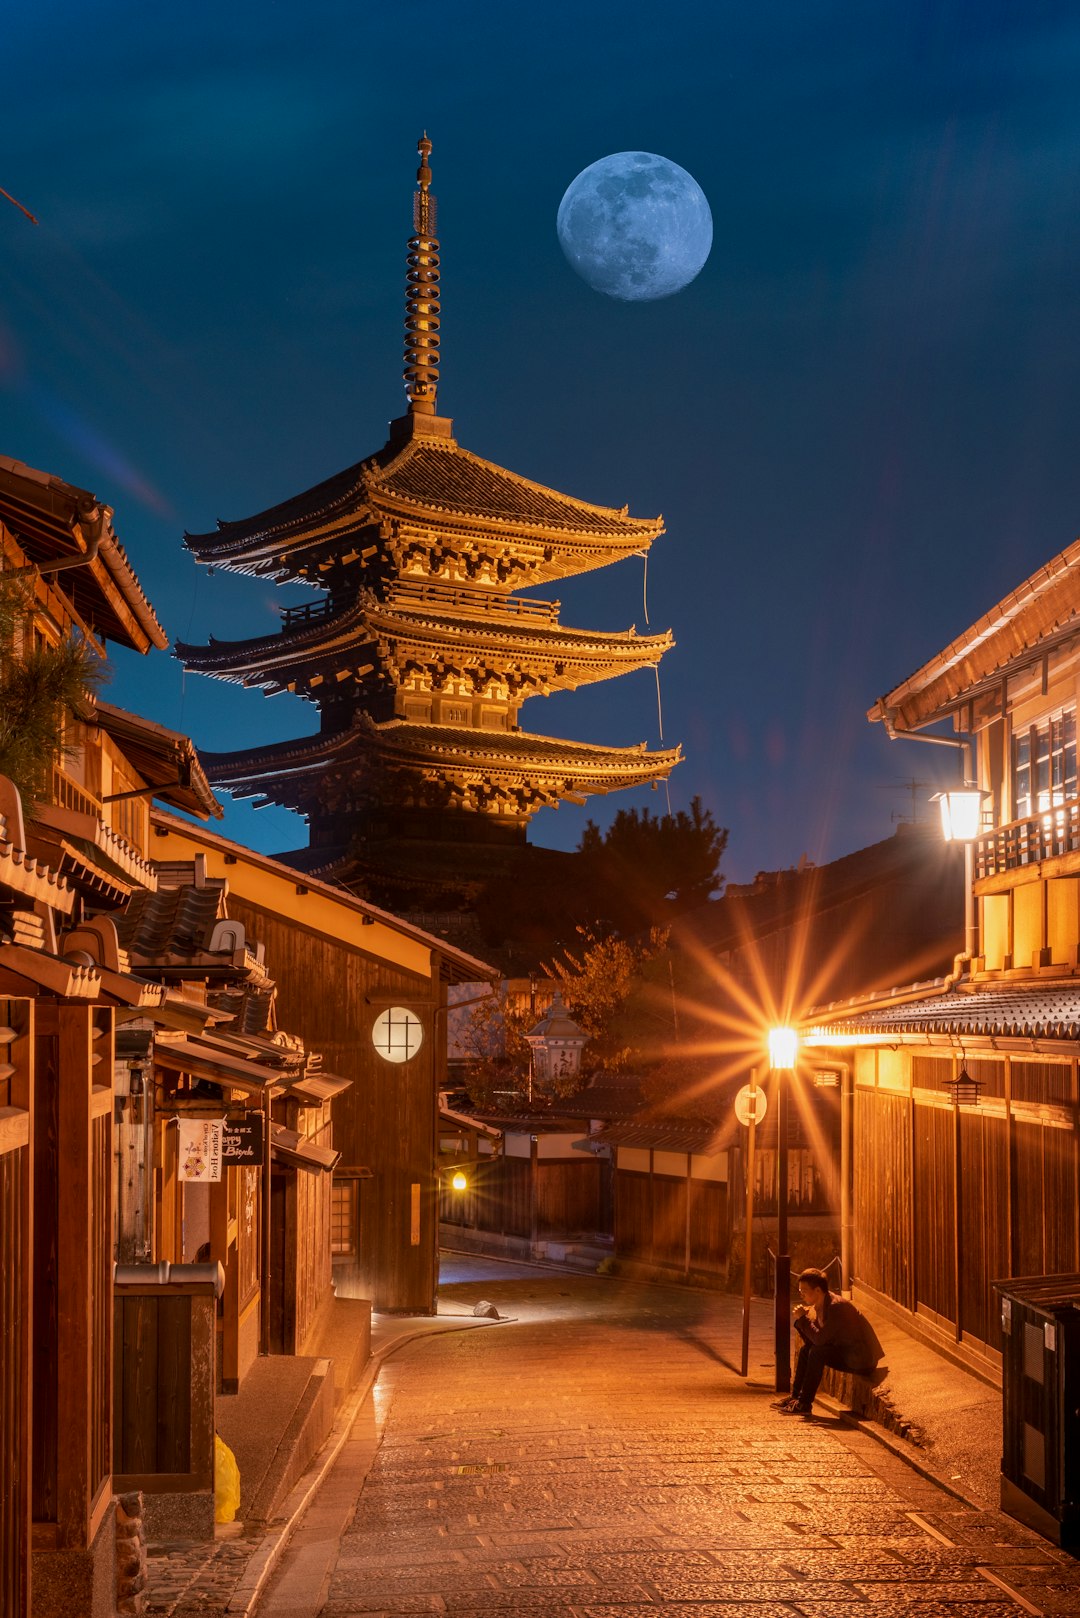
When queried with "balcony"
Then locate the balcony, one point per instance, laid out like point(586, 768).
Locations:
point(1044, 836)
point(308, 612)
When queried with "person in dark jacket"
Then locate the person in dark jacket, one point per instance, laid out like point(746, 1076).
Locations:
point(833, 1333)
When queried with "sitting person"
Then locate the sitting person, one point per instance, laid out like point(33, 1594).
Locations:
point(833, 1333)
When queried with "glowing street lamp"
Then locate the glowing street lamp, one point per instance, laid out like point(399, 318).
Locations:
point(961, 813)
point(961, 822)
point(783, 1048)
point(459, 1182)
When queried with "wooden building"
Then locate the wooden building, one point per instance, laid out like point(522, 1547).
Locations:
point(368, 991)
point(83, 849)
point(420, 784)
point(966, 1141)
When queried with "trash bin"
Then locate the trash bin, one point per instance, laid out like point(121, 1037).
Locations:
point(1040, 1462)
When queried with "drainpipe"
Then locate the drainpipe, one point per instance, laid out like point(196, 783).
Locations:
point(847, 1121)
point(92, 521)
point(964, 743)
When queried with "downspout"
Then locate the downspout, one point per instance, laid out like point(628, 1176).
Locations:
point(964, 743)
point(92, 522)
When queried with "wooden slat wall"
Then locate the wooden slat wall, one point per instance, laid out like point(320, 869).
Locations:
point(882, 1188)
point(984, 1229)
point(931, 1212)
point(708, 1225)
point(633, 1215)
point(568, 1198)
point(387, 1120)
point(1016, 1198)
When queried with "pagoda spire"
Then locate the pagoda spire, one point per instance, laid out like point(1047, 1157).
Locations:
point(422, 294)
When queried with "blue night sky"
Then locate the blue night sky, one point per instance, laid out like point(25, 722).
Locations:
point(859, 422)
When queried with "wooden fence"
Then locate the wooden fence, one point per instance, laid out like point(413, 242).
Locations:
point(671, 1222)
point(512, 1196)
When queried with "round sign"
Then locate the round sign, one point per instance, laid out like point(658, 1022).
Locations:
point(750, 1105)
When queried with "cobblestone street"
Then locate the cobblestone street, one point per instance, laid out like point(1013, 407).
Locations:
point(596, 1456)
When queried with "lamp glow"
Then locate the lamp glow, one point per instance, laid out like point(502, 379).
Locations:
point(459, 1182)
point(783, 1043)
point(961, 812)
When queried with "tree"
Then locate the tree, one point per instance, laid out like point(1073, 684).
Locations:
point(606, 989)
point(647, 868)
point(42, 689)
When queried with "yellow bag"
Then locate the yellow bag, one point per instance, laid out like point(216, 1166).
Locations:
point(226, 1482)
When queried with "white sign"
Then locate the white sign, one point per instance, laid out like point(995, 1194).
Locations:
point(747, 1101)
point(200, 1149)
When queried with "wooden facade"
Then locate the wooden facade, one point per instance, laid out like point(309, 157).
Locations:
point(16, 1299)
point(339, 966)
point(966, 1124)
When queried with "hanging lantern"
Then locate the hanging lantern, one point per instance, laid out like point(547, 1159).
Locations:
point(964, 1090)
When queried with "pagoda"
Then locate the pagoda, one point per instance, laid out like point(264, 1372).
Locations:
point(420, 782)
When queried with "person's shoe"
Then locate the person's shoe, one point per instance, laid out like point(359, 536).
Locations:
point(783, 1404)
point(796, 1407)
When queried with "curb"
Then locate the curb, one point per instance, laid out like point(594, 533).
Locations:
point(897, 1447)
point(253, 1581)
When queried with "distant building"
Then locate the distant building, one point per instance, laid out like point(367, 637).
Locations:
point(420, 783)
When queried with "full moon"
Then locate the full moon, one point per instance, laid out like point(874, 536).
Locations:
point(635, 226)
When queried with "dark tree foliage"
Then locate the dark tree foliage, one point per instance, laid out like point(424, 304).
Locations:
point(647, 868)
point(42, 689)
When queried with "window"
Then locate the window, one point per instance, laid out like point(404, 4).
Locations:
point(1044, 764)
point(343, 1203)
point(397, 1034)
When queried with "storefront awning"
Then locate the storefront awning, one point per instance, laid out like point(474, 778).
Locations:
point(203, 1061)
point(318, 1087)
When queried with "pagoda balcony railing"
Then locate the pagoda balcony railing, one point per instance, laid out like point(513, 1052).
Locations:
point(308, 612)
point(410, 592)
point(1037, 837)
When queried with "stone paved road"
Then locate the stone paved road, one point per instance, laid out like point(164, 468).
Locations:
point(596, 1458)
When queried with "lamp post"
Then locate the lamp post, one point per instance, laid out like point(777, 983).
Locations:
point(783, 1045)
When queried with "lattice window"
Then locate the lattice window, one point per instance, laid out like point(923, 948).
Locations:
point(1044, 764)
point(343, 1223)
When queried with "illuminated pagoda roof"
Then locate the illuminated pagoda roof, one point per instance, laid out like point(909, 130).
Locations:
point(445, 631)
point(484, 767)
point(419, 503)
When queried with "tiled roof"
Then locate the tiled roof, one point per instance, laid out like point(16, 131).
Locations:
point(452, 480)
point(670, 1135)
point(1011, 1010)
point(172, 921)
point(587, 765)
point(433, 479)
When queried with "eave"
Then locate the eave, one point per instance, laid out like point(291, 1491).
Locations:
point(56, 521)
point(1041, 611)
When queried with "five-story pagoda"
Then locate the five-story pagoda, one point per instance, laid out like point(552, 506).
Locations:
point(420, 783)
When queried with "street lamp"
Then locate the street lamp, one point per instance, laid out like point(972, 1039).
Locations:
point(783, 1046)
point(961, 821)
point(556, 1044)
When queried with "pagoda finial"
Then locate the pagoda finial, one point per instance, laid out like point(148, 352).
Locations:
point(422, 293)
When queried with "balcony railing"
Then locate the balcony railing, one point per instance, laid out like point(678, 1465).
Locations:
point(71, 794)
point(1029, 841)
point(308, 612)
